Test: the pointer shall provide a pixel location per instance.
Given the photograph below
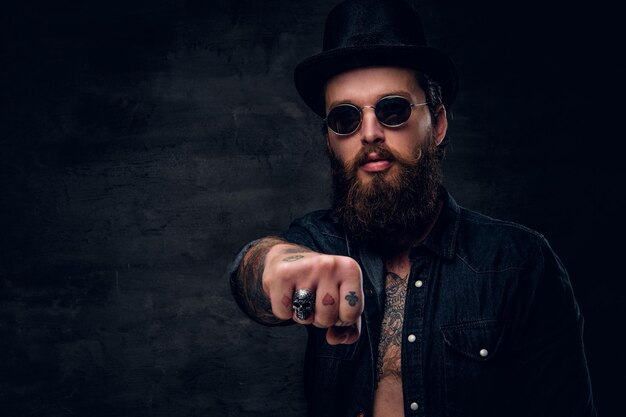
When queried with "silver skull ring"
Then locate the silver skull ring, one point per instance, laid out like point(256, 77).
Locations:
point(303, 303)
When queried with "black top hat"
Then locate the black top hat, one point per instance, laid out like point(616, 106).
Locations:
point(361, 33)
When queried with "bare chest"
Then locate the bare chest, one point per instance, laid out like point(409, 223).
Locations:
point(388, 398)
point(389, 347)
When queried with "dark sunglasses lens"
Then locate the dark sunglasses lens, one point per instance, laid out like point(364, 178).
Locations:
point(393, 111)
point(343, 119)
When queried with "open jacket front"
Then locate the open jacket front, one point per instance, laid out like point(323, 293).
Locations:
point(497, 329)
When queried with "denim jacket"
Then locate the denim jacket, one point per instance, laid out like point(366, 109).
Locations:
point(491, 325)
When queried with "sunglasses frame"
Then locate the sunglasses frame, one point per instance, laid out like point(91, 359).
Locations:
point(360, 110)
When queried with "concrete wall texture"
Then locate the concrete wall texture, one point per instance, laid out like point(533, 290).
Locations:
point(143, 143)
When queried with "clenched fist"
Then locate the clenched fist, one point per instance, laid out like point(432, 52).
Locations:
point(336, 281)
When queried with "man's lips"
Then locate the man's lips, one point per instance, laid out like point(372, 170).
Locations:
point(376, 163)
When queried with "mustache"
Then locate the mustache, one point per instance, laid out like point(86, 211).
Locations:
point(382, 152)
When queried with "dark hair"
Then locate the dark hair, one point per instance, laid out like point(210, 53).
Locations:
point(432, 92)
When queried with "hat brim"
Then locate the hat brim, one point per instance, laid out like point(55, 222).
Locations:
point(311, 75)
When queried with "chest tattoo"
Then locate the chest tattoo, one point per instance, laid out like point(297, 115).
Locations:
point(391, 330)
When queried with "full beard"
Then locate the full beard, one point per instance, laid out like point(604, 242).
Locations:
point(392, 209)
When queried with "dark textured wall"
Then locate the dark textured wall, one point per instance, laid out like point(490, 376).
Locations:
point(143, 142)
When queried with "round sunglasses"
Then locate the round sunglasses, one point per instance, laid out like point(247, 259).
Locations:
point(391, 111)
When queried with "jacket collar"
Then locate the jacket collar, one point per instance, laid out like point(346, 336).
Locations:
point(442, 238)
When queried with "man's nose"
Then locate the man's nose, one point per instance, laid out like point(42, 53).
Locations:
point(371, 129)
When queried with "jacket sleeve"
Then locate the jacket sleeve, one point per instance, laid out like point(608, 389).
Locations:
point(549, 343)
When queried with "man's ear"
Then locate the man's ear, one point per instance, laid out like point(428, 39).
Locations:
point(441, 127)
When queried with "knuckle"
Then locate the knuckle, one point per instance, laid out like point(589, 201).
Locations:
point(326, 320)
point(282, 269)
point(276, 271)
point(353, 266)
point(326, 262)
point(321, 323)
point(350, 316)
point(283, 278)
point(352, 271)
point(281, 313)
point(287, 272)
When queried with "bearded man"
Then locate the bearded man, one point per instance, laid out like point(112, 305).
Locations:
point(413, 305)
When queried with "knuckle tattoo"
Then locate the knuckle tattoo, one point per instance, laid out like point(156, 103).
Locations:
point(328, 300)
point(352, 298)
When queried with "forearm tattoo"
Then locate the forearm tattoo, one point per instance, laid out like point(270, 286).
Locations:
point(248, 285)
point(248, 281)
point(391, 330)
